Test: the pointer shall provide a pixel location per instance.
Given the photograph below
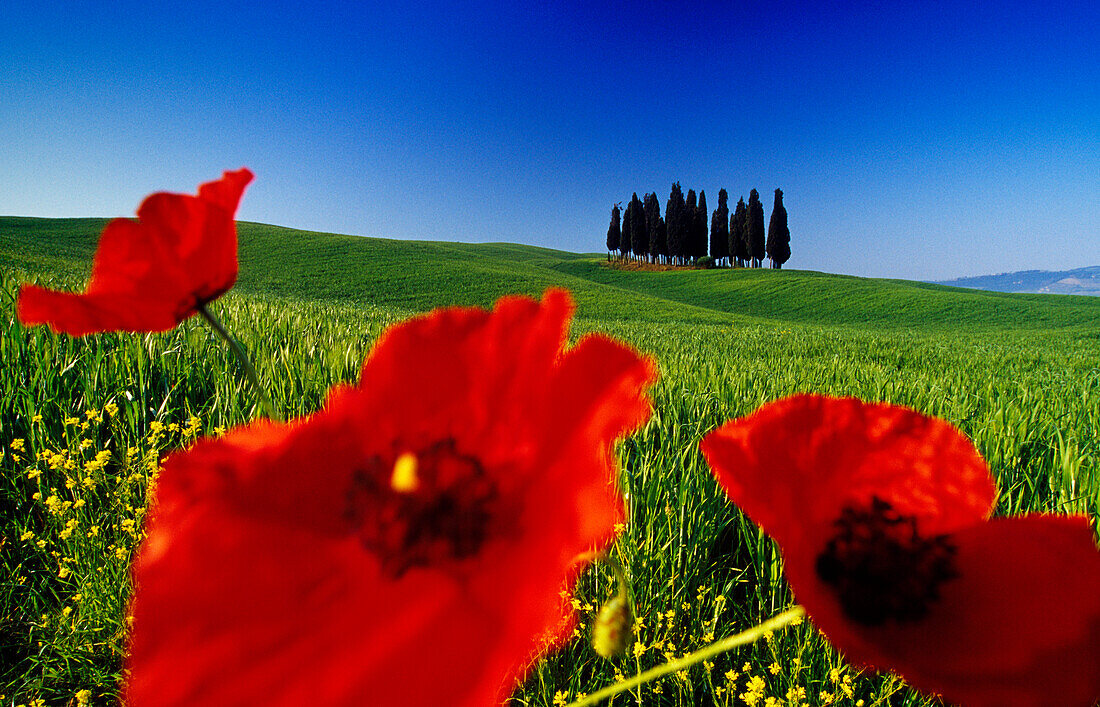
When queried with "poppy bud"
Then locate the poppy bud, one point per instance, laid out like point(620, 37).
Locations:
point(611, 633)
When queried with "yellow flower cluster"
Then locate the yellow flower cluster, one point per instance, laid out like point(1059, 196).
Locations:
point(76, 475)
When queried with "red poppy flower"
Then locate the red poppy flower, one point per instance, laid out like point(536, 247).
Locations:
point(151, 274)
point(882, 515)
point(405, 545)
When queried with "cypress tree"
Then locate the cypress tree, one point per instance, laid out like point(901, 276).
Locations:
point(689, 224)
point(756, 228)
point(624, 237)
point(675, 221)
point(779, 236)
point(613, 232)
point(639, 234)
point(701, 214)
point(720, 228)
point(738, 245)
point(652, 207)
point(662, 239)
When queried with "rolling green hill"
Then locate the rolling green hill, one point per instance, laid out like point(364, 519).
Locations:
point(419, 275)
point(1017, 374)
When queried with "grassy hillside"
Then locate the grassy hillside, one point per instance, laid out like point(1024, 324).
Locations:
point(419, 275)
point(1019, 375)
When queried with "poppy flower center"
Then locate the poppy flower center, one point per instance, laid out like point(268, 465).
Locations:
point(421, 509)
point(882, 567)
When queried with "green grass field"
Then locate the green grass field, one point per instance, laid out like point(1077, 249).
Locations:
point(83, 423)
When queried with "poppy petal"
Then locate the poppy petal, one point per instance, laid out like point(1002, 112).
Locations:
point(151, 274)
point(1018, 627)
point(794, 464)
point(1001, 612)
point(255, 580)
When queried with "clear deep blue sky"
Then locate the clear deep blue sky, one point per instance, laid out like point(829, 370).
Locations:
point(914, 140)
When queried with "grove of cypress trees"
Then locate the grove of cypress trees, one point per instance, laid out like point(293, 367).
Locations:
point(675, 212)
point(756, 228)
point(779, 236)
point(652, 207)
point(738, 228)
point(720, 228)
point(639, 234)
point(613, 232)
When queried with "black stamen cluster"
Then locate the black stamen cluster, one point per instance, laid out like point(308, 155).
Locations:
point(881, 566)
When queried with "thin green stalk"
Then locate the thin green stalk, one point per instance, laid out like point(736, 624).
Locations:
point(242, 358)
point(698, 656)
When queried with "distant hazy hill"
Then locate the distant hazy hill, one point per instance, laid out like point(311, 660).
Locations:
point(1082, 281)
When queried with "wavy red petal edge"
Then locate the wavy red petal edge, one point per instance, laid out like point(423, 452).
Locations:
point(254, 582)
point(1020, 624)
point(150, 274)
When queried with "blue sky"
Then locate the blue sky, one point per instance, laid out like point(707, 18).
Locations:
point(914, 140)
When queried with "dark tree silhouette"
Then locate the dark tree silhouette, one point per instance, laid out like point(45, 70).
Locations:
point(652, 207)
point(756, 228)
point(779, 236)
point(624, 237)
point(701, 215)
point(639, 234)
point(739, 244)
point(720, 229)
point(690, 208)
point(613, 232)
point(662, 239)
point(675, 218)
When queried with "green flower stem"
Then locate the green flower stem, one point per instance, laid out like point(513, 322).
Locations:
point(242, 358)
point(698, 656)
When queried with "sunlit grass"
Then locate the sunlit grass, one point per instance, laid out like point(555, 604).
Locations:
point(84, 424)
